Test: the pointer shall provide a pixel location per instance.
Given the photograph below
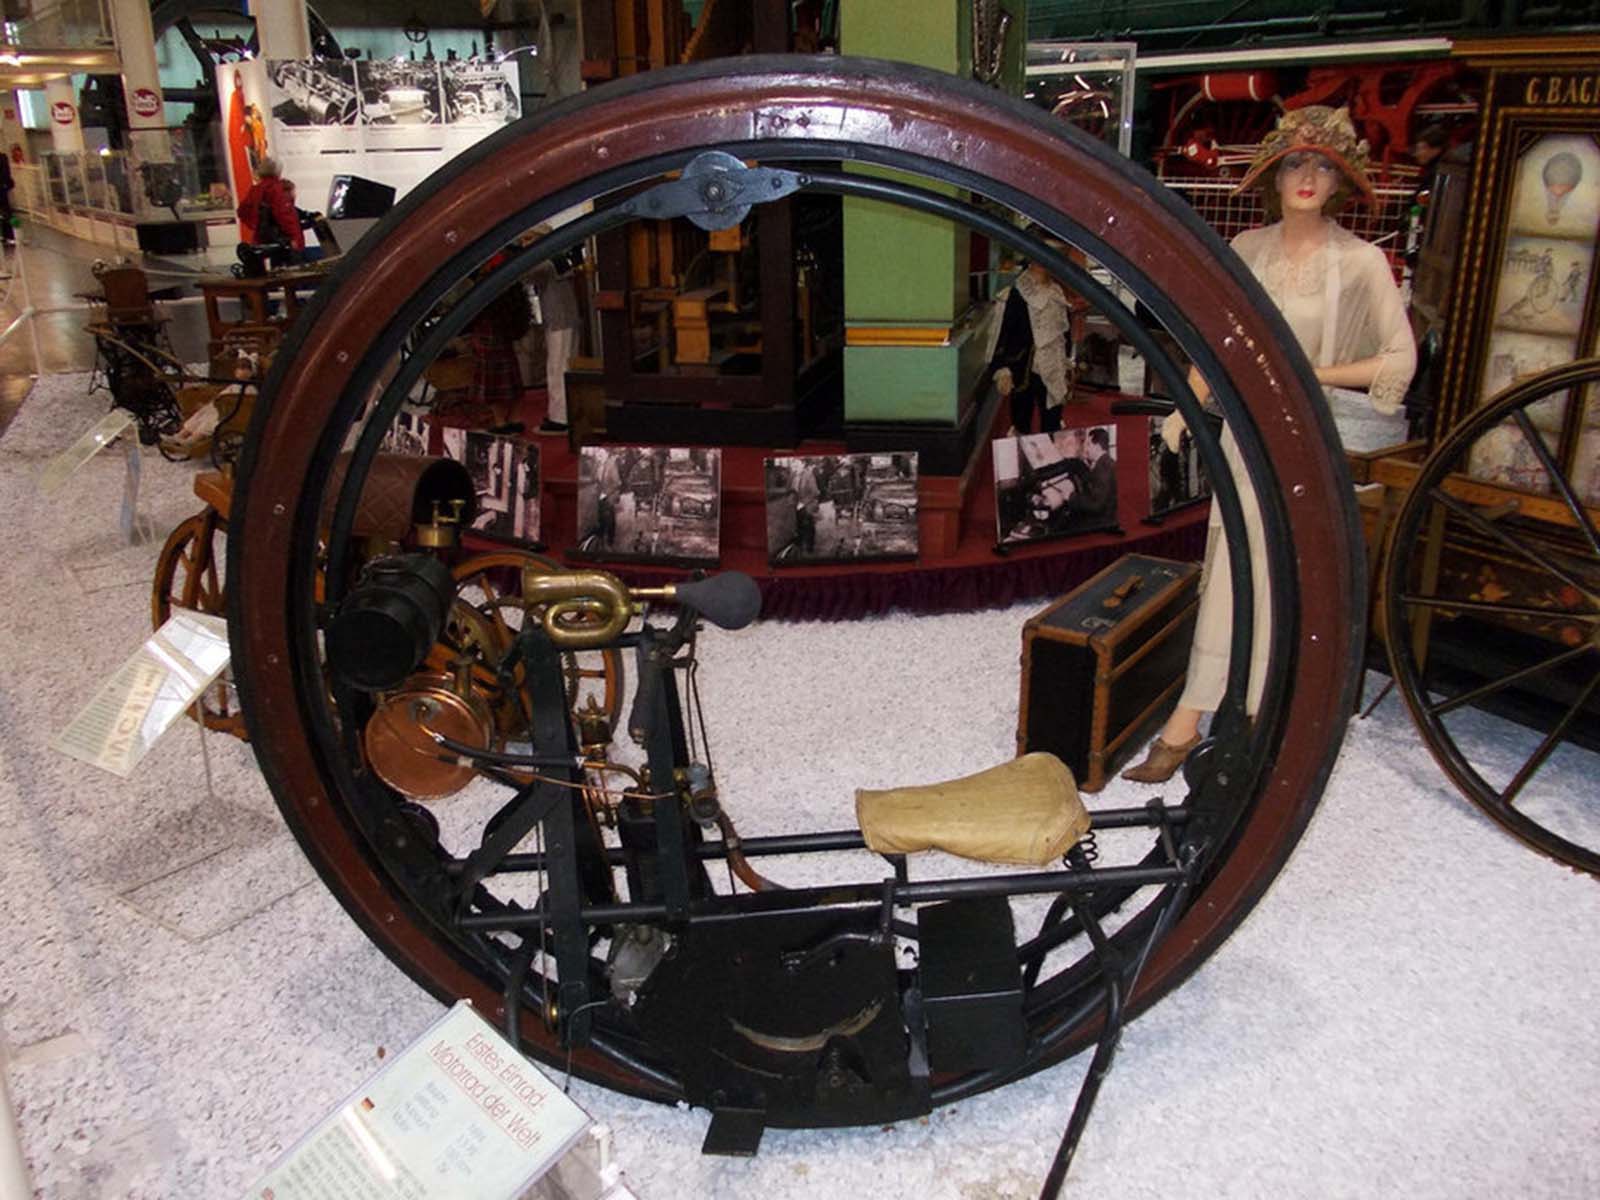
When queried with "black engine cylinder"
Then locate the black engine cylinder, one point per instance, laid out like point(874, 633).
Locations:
point(387, 623)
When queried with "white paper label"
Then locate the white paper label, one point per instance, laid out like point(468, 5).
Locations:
point(457, 1114)
point(148, 693)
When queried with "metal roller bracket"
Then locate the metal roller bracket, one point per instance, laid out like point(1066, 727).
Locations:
point(715, 191)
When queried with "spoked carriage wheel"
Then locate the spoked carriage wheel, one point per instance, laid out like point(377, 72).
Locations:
point(598, 674)
point(638, 150)
point(1492, 602)
point(188, 575)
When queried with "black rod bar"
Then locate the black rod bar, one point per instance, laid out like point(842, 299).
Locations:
point(1504, 610)
point(927, 892)
point(1558, 477)
point(1494, 685)
point(1551, 741)
point(822, 843)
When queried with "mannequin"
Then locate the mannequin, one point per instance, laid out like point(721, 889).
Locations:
point(1031, 363)
point(1339, 297)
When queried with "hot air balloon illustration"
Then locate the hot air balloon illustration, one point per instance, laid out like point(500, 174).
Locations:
point(1561, 175)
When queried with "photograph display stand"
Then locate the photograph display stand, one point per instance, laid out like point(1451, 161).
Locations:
point(827, 508)
point(650, 504)
point(505, 479)
point(1177, 477)
point(1053, 485)
point(459, 1113)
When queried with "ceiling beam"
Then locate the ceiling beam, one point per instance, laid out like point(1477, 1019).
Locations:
point(30, 66)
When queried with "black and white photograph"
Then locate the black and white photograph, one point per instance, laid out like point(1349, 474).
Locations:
point(1049, 485)
point(478, 92)
point(505, 476)
point(399, 93)
point(1177, 478)
point(306, 92)
point(841, 508)
point(649, 503)
point(409, 432)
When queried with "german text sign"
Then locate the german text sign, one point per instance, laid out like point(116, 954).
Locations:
point(151, 690)
point(458, 1114)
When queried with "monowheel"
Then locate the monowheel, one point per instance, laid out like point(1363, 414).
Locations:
point(1492, 602)
point(535, 931)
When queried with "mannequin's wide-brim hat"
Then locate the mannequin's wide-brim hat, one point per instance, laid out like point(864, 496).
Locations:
point(1321, 130)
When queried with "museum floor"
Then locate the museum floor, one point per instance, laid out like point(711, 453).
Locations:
point(1413, 1009)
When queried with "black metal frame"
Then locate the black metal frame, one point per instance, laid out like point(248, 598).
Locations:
point(125, 367)
point(1089, 892)
point(1216, 804)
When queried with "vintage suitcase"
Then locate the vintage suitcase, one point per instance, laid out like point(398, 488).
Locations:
point(1101, 666)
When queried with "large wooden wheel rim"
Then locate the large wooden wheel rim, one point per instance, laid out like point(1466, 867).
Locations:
point(610, 673)
point(785, 109)
point(187, 576)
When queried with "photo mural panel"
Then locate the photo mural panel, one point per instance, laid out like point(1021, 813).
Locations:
point(841, 508)
point(313, 93)
point(650, 504)
point(480, 92)
point(1057, 484)
point(399, 93)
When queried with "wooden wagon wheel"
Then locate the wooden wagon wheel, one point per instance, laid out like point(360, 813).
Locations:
point(486, 578)
point(1492, 600)
point(633, 142)
point(189, 575)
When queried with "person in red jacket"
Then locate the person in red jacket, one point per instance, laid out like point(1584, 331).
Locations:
point(268, 214)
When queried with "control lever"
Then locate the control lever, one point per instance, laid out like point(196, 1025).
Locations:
point(730, 600)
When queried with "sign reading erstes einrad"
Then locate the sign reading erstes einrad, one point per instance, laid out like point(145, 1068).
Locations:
point(458, 1114)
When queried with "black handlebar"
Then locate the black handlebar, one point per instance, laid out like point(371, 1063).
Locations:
point(730, 600)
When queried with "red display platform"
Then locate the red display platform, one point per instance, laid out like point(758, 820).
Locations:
point(958, 567)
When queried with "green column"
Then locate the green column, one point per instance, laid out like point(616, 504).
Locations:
point(912, 350)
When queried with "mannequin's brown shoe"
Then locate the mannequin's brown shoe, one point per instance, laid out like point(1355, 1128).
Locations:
point(1162, 762)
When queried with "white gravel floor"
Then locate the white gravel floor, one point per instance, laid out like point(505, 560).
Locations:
point(1413, 1010)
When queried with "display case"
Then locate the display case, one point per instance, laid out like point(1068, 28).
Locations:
point(99, 183)
point(1524, 297)
point(1087, 84)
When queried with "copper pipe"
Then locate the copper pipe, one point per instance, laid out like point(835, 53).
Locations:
point(738, 863)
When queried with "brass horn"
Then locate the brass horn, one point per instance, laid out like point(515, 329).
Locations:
point(584, 610)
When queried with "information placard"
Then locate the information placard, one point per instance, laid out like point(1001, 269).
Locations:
point(457, 1114)
point(148, 693)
